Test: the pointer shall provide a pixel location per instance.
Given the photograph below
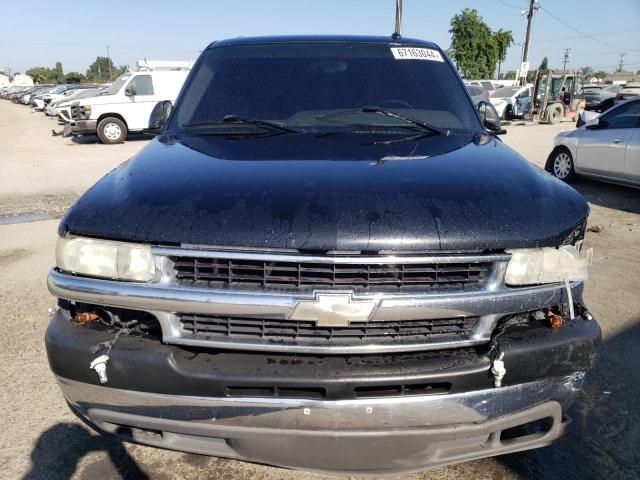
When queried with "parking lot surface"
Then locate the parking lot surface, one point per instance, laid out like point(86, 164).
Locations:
point(41, 175)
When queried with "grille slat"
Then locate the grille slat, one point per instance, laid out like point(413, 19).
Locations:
point(221, 273)
point(373, 332)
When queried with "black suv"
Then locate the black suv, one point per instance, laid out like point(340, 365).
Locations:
point(327, 260)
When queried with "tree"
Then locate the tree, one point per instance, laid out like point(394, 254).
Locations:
point(99, 70)
point(39, 74)
point(74, 77)
point(587, 72)
point(544, 65)
point(510, 75)
point(600, 74)
point(473, 46)
point(503, 40)
point(57, 74)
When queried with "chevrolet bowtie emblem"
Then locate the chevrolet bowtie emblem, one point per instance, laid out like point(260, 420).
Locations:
point(333, 309)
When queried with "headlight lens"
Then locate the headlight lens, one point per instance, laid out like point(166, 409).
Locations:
point(106, 259)
point(531, 266)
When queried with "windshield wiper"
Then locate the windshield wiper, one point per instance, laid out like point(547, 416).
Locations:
point(388, 113)
point(244, 120)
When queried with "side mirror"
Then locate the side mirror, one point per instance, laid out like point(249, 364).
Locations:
point(159, 116)
point(588, 118)
point(130, 90)
point(490, 118)
point(597, 124)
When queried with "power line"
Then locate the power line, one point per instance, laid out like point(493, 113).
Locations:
point(619, 32)
point(512, 6)
point(578, 31)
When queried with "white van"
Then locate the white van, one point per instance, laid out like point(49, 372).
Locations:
point(127, 104)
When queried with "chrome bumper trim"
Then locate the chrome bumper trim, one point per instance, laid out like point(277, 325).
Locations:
point(308, 415)
point(164, 299)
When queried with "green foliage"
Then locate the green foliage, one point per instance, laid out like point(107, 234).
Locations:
point(510, 75)
point(99, 71)
point(503, 40)
point(474, 47)
point(600, 74)
point(544, 65)
point(587, 71)
point(74, 77)
point(47, 75)
point(39, 74)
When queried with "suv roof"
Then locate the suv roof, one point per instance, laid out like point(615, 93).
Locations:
point(322, 38)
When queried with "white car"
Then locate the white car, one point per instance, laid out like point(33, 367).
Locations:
point(605, 148)
point(510, 102)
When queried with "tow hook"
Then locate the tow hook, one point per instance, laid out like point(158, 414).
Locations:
point(498, 369)
point(99, 364)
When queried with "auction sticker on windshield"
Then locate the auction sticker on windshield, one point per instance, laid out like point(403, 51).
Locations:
point(416, 54)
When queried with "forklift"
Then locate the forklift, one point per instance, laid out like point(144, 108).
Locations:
point(557, 95)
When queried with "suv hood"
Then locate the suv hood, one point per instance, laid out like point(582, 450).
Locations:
point(330, 192)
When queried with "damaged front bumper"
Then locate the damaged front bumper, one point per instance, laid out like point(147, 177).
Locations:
point(371, 414)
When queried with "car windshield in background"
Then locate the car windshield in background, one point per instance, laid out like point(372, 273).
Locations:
point(117, 84)
point(505, 92)
point(322, 85)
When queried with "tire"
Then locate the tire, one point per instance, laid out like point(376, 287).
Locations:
point(111, 130)
point(507, 113)
point(554, 114)
point(560, 164)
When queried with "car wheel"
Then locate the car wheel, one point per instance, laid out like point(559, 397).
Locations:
point(112, 130)
point(561, 165)
point(554, 114)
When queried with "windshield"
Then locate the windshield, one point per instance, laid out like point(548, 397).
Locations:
point(322, 85)
point(505, 92)
point(117, 84)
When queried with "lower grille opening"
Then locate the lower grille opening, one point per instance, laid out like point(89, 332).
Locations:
point(371, 391)
point(537, 427)
point(285, 392)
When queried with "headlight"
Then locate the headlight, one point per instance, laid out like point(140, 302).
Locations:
point(530, 266)
point(106, 259)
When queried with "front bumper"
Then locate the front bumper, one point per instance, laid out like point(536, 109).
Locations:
point(350, 437)
point(84, 127)
point(204, 401)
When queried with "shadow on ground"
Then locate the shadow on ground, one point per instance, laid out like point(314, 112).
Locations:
point(59, 450)
point(608, 195)
point(91, 139)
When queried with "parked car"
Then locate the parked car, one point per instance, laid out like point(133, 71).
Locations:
point(126, 105)
point(629, 91)
point(511, 102)
point(600, 97)
point(56, 107)
point(309, 267)
point(488, 85)
point(477, 93)
point(605, 148)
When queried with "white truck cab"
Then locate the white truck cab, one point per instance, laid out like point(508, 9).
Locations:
point(126, 105)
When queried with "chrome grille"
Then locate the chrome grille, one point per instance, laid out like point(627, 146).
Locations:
point(237, 272)
point(263, 330)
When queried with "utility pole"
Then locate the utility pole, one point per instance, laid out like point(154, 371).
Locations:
point(565, 58)
point(533, 6)
point(109, 57)
point(621, 64)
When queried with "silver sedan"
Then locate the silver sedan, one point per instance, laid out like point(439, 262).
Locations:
point(605, 148)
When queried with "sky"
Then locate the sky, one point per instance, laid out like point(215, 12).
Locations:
point(41, 32)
